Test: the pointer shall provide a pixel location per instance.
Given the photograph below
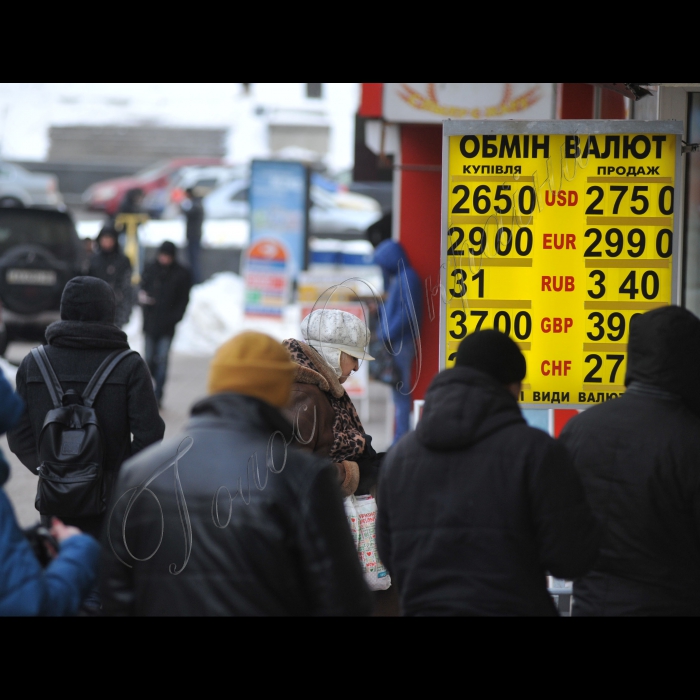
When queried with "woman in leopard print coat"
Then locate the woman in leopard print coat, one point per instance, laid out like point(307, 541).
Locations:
point(324, 418)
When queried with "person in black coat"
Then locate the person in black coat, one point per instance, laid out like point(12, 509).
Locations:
point(77, 345)
point(164, 295)
point(193, 209)
point(475, 507)
point(251, 525)
point(639, 460)
point(108, 263)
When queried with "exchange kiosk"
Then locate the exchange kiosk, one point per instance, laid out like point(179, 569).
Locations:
point(558, 233)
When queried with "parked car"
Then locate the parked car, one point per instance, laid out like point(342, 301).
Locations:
point(107, 195)
point(20, 188)
point(39, 252)
point(340, 214)
point(202, 178)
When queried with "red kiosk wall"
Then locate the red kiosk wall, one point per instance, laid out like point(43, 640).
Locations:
point(419, 232)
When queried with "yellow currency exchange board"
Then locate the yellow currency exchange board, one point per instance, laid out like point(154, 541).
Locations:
point(558, 240)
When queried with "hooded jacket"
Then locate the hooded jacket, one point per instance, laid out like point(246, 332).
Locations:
point(250, 526)
point(476, 507)
point(115, 269)
point(25, 588)
point(404, 293)
point(639, 459)
point(126, 405)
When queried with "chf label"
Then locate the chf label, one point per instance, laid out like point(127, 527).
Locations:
point(556, 368)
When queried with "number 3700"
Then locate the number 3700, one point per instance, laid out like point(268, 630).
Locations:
point(520, 323)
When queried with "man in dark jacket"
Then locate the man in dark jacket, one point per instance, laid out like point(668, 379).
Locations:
point(77, 346)
point(404, 307)
point(164, 295)
point(475, 506)
point(249, 525)
point(639, 460)
point(108, 263)
point(193, 209)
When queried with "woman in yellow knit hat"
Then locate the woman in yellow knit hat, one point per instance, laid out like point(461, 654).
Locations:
point(323, 415)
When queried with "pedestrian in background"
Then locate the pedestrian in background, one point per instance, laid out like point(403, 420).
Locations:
point(125, 407)
point(164, 295)
point(638, 457)
point(475, 506)
point(404, 306)
point(108, 263)
point(193, 209)
point(326, 422)
point(274, 540)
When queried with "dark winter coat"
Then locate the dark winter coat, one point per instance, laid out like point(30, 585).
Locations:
point(170, 286)
point(282, 546)
point(193, 209)
point(404, 294)
point(115, 269)
point(639, 460)
point(476, 507)
point(125, 407)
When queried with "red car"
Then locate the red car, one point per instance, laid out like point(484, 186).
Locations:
point(107, 195)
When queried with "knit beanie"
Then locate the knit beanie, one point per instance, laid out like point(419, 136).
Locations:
point(88, 299)
point(493, 353)
point(168, 248)
point(253, 364)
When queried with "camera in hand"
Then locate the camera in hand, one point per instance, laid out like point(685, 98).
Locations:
point(44, 545)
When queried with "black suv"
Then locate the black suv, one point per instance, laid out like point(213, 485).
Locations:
point(39, 252)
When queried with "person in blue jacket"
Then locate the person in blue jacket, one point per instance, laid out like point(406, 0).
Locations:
point(404, 306)
point(26, 588)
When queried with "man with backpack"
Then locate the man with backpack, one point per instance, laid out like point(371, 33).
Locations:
point(87, 394)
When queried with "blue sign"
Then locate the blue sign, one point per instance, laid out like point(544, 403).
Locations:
point(278, 207)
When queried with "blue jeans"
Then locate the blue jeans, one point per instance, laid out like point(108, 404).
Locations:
point(403, 399)
point(193, 247)
point(157, 351)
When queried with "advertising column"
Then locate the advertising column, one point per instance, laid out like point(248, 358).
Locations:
point(558, 234)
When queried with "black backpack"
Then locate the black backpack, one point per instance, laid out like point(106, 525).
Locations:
point(72, 481)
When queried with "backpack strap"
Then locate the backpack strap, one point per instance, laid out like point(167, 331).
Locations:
point(100, 376)
point(50, 378)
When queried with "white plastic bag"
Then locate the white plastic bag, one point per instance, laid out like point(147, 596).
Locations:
point(362, 518)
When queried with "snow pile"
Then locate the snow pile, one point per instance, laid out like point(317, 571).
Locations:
point(215, 314)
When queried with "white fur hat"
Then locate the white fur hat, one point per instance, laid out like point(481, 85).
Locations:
point(337, 329)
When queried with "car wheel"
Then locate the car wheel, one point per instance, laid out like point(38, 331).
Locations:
point(11, 202)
